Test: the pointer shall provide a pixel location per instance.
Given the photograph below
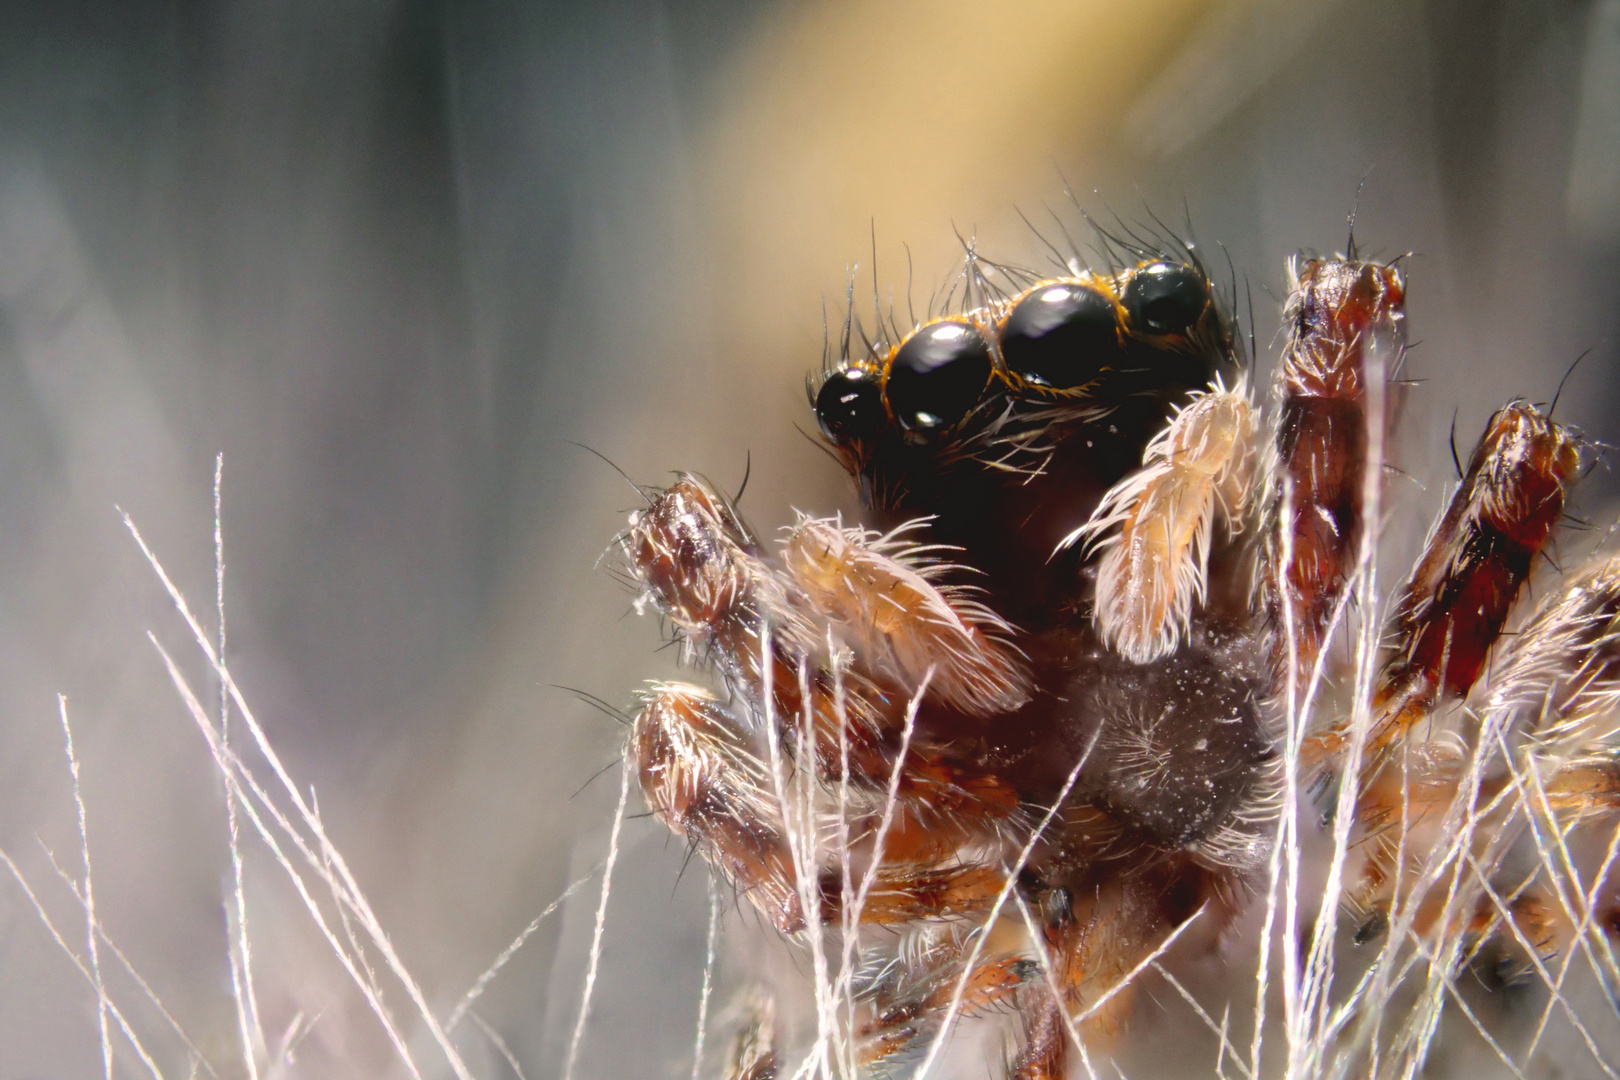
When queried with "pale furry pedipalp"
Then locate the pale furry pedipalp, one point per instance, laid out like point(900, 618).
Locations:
point(1153, 528)
point(881, 593)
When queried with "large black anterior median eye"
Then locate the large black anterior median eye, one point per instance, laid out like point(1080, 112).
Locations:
point(849, 405)
point(1165, 298)
point(1061, 335)
point(936, 377)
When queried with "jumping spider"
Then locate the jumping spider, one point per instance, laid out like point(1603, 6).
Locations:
point(1074, 692)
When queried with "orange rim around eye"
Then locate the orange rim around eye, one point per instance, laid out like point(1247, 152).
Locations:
point(1164, 299)
point(849, 406)
point(1061, 336)
point(937, 375)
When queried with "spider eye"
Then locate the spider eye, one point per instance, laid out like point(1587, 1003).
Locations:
point(1165, 298)
point(937, 375)
point(1061, 335)
point(849, 405)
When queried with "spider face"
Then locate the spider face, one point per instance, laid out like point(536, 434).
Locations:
point(1053, 716)
point(988, 414)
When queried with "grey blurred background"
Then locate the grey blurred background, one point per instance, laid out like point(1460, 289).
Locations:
point(394, 258)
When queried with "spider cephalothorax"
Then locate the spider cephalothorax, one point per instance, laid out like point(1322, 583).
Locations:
point(1023, 408)
point(1075, 698)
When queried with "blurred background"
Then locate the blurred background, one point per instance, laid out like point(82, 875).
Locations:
point(395, 258)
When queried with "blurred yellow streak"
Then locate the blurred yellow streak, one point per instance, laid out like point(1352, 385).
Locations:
point(912, 117)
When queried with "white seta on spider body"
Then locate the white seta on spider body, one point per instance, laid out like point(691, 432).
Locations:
point(1060, 728)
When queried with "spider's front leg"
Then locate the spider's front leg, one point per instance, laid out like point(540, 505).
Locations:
point(1450, 614)
point(701, 778)
point(728, 777)
point(1346, 335)
point(1478, 558)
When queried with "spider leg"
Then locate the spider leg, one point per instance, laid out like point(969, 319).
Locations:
point(1551, 714)
point(1451, 612)
point(1586, 787)
point(1557, 701)
point(701, 567)
point(909, 1002)
point(902, 892)
point(1476, 561)
point(701, 778)
point(1345, 333)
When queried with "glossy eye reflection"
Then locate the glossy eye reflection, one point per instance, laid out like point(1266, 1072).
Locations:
point(937, 375)
point(849, 405)
point(1061, 335)
point(1165, 298)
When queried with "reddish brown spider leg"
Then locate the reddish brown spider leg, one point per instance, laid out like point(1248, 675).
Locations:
point(910, 1002)
point(900, 893)
point(1339, 315)
point(939, 808)
point(1453, 609)
point(702, 569)
point(1475, 563)
point(701, 779)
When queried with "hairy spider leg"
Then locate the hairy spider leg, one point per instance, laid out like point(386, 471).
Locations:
point(1450, 614)
point(1555, 709)
point(704, 772)
point(907, 1000)
point(702, 569)
point(702, 779)
point(1339, 315)
point(1477, 559)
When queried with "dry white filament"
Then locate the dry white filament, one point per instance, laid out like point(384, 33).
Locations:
point(601, 922)
point(89, 896)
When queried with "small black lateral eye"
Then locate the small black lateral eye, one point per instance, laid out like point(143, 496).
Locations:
point(1165, 298)
point(849, 405)
point(1061, 335)
point(937, 375)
